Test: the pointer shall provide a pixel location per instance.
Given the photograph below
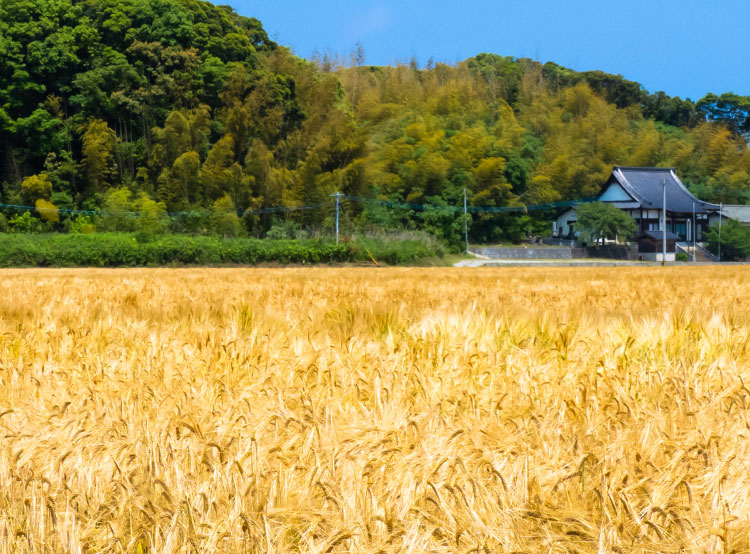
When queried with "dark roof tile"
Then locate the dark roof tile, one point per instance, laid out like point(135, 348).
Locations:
point(645, 184)
point(657, 235)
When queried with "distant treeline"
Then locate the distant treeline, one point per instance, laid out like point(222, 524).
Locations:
point(181, 106)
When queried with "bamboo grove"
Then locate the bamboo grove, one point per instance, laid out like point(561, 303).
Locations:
point(175, 105)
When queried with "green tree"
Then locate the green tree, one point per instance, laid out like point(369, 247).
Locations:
point(189, 102)
point(599, 221)
point(184, 183)
point(491, 187)
point(733, 240)
point(215, 173)
point(98, 147)
point(730, 108)
point(36, 187)
point(224, 217)
point(152, 216)
point(62, 200)
point(175, 138)
point(117, 210)
point(220, 175)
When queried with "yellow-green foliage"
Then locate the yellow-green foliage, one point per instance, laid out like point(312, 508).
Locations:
point(562, 141)
point(190, 101)
point(117, 210)
point(98, 144)
point(151, 215)
point(47, 210)
point(400, 410)
point(36, 187)
point(224, 217)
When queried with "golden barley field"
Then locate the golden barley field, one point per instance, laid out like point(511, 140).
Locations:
point(375, 410)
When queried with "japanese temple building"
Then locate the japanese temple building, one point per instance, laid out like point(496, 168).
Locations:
point(640, 191)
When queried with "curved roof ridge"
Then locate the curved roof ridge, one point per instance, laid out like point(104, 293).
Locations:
point(641, 168)
point(624, 183)
point(644, 184)
point(690, 194)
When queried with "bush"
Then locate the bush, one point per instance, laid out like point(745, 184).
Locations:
point(194, 222)
point(83, 225)
point(286, 229)
point(35, 187)
point(84, 248)
point(117, 211)
point(397, 251)
point(25, 223)
point(124, 249)
point(47, 211)
point(445, 223)
point(152, 216)
point(682, 257)
point(62, 200)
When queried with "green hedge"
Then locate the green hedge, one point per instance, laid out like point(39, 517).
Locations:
point(125, 250)
point(118, 250)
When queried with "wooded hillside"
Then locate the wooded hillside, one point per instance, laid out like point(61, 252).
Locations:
point(190, 106)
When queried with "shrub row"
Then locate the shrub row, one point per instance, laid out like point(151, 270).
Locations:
point(118, 250)
point(126, 250)
point(396, 251)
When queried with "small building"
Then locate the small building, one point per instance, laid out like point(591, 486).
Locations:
point(564, 226)
point(650, 245)
point(639, 191)
point(738, 212)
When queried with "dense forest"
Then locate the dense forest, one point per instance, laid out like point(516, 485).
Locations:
point(182, 115)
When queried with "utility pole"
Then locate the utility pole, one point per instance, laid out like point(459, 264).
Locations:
point(721, 209)
point(337, 195)
point(466, 224)
point(693, 232)
point(664, 222)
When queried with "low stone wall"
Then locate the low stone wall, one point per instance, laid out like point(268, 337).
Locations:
point(613, 252)
point(521, 253)
point(579, 252)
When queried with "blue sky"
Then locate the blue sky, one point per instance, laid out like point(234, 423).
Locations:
point(684, 48)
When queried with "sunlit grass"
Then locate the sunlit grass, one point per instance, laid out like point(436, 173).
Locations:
point(387, 410)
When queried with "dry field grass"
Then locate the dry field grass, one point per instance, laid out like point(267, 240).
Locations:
point(396, 410)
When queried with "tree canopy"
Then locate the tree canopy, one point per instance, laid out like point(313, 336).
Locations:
point(190, 104)
point(599, 221)
point(732, 241)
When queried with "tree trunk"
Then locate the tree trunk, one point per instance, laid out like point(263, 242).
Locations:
point(9, 166)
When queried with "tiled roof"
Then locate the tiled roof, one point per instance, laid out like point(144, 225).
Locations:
point(645, 185)
point(738, 212)
point(657, 235)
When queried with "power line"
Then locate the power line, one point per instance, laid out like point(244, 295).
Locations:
point(287, 209)
point(474, 209)
point(275, 209)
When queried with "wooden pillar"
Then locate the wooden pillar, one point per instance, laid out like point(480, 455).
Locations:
point(640, 223)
